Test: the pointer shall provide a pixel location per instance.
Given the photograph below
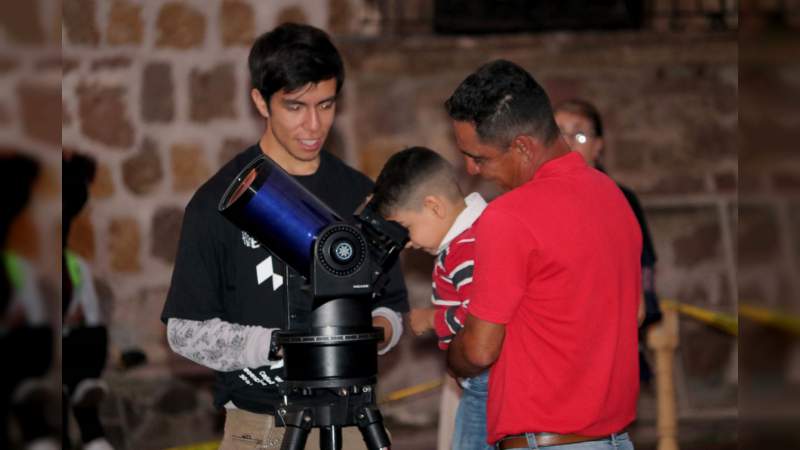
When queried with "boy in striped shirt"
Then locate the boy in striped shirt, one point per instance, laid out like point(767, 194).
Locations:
point(418, 189)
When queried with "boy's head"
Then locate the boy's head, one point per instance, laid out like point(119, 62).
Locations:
point(418, 189)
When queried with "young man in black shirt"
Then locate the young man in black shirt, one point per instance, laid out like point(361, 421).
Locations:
point(228, 293)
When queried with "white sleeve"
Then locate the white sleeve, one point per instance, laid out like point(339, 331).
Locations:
point(86, 295)
point(30, 296)
point(220, 345)
point(396, 322)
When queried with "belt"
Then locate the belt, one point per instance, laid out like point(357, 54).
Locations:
point(547, 440)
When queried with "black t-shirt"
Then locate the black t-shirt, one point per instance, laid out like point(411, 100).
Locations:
point(215, 273)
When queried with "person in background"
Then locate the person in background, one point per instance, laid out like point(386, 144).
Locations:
point(84, 335)
point(418, 189)
point(26, 334)
point(582, 127)
point(557, 286)
point(221, 309)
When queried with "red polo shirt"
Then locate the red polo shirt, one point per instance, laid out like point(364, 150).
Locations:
point(557, 262)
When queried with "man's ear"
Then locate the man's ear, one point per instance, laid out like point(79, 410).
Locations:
point(261, 104)
point(435, 204)
point(525, 145)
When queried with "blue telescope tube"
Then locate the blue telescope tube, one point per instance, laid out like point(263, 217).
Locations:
point(278, 211)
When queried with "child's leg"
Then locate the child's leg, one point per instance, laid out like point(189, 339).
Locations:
point(470, 432)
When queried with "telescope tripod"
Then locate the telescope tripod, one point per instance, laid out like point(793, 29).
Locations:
point(331, 409)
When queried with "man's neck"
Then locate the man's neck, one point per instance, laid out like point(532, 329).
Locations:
point(284, 159)
point(557, 150)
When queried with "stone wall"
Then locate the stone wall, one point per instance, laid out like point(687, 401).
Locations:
point(157, 92)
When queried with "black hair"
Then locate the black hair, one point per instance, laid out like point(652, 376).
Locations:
point(403, 176)
point(583, 109)
point(77, 173)
point(503, 101)
point(17, 175)
point(291, 56)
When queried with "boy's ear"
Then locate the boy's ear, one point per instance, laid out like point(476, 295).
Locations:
point(260, 103)
point(435, 204)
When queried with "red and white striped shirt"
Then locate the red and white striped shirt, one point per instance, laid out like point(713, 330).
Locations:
point(452, 274)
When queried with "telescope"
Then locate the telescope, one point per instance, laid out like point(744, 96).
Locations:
point(330, 361)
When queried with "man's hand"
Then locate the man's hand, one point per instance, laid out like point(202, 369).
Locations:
point(382, 322)
point(421, 319)
point(476, 347)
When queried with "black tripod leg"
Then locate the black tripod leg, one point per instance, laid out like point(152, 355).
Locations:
point(330, 438)
point(370, 422)
point(298, 425)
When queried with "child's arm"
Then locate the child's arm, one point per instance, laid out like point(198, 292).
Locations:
point(421, 319)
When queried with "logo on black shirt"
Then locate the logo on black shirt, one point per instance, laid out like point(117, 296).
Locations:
point(250, 241)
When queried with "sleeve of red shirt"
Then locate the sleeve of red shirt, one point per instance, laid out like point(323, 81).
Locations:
point(442, 331)
point(449, 320)
point(504, 250)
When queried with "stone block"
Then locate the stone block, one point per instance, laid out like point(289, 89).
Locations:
point(236, 23)
point(124, 244)
point(383, 120)
point(758, 235)
point(726, 182)
point(293, 14)
point(212, 94)
point(701, 245)
point(627, 154)
point(125, 24)
point(135, 324)
point(158, 97)
point(177, 398)
point(110, 63)
point(103, 185)
point(166, 231)
point(794, 218)
point(5, 116)
point(49, 63)
point(786, 182)
point(180, 26)
point(709, 358)
point(80, 23)
point(189, 167)
point(82, 236)
point(40, 119)
point(68, 65)
point(103, 115)
point(673, 184)
point(340, 16)
point(21, 22)
point(230, 148)
point(8, 64)
point(142, 173)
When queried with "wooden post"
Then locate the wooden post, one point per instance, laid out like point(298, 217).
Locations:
point(662, 338)
point(451, 393)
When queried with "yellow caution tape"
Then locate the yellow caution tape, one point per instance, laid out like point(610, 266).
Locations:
point(413, 390)
point(725, 322)
point(211, 445)
point(771, 317)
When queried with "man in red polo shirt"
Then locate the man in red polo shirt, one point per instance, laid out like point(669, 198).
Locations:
point(556, 285)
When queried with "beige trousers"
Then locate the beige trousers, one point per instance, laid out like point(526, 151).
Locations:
point(249, 431)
